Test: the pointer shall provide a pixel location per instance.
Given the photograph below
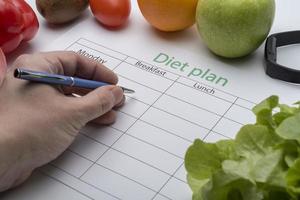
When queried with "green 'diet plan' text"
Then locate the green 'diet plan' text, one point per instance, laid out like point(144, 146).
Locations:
point(192, 72)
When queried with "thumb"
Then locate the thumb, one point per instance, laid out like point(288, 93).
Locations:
point(98, 102)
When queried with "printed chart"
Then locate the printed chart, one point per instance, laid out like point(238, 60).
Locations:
point(141, 156)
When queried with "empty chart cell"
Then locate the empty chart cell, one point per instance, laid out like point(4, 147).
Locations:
point(123, 122)
point(72, 163)
point(174, 124)
point(43, 187)
point(134, 169)
point(187, 111)
point(181, 173)
point(148, 153)
point(99, 57)
point(214, 137)
point(245, 103)
point(198, 98)
point(240, 114)
point(103, 134)
point(227, 128)
point(134, 107)
point(145, 78)
point(77, 184)
point(120, 186)
point(177, 190)
point(142, 93)
point(159, 138)
point(88, 148)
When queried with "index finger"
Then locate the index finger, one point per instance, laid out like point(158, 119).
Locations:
point(72, 64)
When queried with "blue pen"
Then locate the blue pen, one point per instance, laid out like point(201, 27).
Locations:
point(56, 79)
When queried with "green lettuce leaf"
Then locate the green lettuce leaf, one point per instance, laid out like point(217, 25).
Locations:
point(203, 159)
point(263, 111)
point(255, 140)
point(293, 179)
point(262, 162)
point(290, 128)
point(224, 186)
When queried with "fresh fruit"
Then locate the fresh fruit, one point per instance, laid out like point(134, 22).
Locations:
point(234, 28)
point(169, 15)
point(18, 23)
point(112, 13)
point(61, 11)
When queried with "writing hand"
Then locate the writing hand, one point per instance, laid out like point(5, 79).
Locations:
point(38, 122)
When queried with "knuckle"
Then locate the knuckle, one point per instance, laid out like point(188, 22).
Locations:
point(22, 59)
point(71, 55)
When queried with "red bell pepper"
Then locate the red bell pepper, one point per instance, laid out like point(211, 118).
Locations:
point(2, 66)
point(18, 23)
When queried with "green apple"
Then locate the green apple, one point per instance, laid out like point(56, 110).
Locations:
point(234, 28)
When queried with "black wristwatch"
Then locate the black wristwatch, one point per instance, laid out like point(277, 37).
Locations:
point(275, 70)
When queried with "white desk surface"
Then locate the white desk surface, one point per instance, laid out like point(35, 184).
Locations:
point(287, 18)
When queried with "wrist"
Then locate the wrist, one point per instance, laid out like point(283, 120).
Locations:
point(14, 158)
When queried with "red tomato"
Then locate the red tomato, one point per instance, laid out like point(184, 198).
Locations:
point(111, 13)
point(2, 66)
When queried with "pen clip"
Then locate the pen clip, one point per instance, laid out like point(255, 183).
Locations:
point(27, 74)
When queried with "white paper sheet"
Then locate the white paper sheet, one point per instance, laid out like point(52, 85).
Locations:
point(183, 92)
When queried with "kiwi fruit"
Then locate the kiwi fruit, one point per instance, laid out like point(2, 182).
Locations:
point(61, 11)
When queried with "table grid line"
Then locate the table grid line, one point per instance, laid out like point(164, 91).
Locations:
point(174, 134)
point(72, 188)
point(119, 63)
point(161, 94)
point(138, 83)
point(72, 44)
point(149, 165)
point(118, 173)
point(159, 192)
point(105, 151)
point(112, 171)
point(121, 152)
point(220, 119)
point(95, 187)
point(204, 109)
point(181, 100)
point(180, 76)
point(123, 134)
point(200, 126)
point(153, 145)
point(150, 107)
point(168, 71)
point(128, 62)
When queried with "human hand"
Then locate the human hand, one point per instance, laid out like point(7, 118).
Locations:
point(2, 65)
point(38, 121)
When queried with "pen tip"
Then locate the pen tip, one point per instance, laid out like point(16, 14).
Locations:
point(127, 90)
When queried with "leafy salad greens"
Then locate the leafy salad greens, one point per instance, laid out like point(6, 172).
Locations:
point(261, 163)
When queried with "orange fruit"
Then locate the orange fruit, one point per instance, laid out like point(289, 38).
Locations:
point(169, 15)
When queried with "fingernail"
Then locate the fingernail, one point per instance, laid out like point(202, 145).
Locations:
point(117, 93)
